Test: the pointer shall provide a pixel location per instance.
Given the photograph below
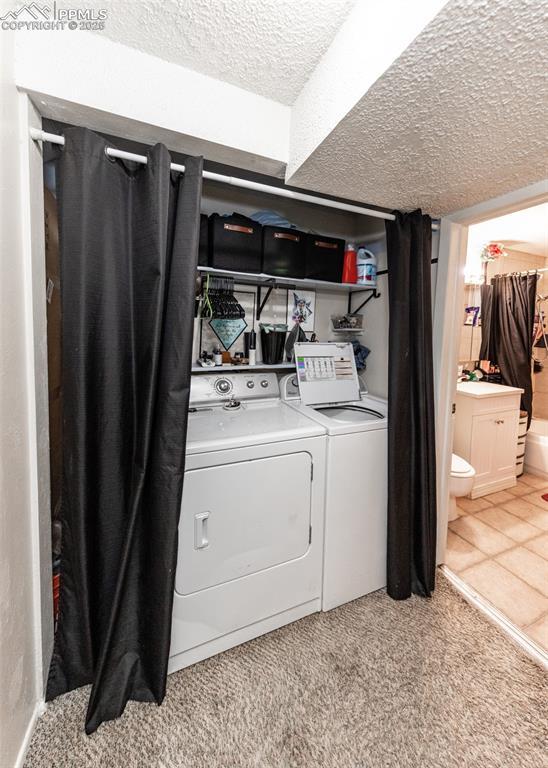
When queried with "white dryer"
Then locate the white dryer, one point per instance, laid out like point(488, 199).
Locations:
point(251, 527)
point(326, 388)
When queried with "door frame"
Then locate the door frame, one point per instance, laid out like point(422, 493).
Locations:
point(34, 258)
point(447, 324)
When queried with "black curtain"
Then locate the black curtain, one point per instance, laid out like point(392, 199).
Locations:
point(411, 440)
point(129, 248)
point(486, 306)
point(511, 324)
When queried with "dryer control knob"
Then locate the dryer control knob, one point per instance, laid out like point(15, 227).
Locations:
point(250, 384)
point(264, 383)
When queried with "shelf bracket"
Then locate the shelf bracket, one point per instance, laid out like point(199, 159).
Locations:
point(374, 295)
point(261, 304)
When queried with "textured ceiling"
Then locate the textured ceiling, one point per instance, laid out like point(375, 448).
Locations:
point(269, 47)
point(460, 117)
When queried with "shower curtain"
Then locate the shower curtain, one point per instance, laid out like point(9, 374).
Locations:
point(486, 307)
point(507, 331)
point(411, 560)
point(129, 247)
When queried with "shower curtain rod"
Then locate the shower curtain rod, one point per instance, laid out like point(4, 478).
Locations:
point(234, 181)
point(522, 272)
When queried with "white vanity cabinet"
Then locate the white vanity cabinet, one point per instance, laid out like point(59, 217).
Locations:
point(486, 433)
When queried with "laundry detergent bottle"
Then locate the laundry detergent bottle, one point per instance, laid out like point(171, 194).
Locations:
point(367, 268)
point(350, 272)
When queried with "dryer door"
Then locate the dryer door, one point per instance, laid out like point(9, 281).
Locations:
point(238, 519)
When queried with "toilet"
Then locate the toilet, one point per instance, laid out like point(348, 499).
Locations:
point(460, 482)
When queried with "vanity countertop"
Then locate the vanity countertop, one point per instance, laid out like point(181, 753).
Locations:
point(484, 389)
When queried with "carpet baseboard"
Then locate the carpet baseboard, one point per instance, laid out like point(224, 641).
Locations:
point(39, 709)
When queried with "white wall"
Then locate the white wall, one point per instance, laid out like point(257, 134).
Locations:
point(327, 303)
point(150, 100)
point(18, 679)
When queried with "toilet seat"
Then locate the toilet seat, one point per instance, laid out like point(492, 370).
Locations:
point(460, 467)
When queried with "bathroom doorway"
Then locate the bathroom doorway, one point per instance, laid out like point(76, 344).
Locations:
point(497, 543)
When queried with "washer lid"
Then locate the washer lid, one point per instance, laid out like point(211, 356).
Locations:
point(351, 413)
point(326, 373)
point(459, 466)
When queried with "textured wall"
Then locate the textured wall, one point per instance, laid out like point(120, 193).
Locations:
point(540, 386)
point(370, 40)
point(269, 47)
point(540, 379)
point(459, 118)
point(17, 660)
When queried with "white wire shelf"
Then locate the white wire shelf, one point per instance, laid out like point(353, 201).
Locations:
point(269, 280)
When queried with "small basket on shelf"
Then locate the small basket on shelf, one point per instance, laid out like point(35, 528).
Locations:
point(348, 323)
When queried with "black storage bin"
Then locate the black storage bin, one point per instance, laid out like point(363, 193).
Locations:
point(324, 258)
point(284, 251)
point(203, 249)
point(272, 346)
point(235, 243)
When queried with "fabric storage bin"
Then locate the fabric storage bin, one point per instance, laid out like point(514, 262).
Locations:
point(235, 243)
point(284, 252)
point(324, 258)
point(203, 248)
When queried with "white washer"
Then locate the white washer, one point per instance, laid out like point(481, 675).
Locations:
point(326, 387)
point(251, 527)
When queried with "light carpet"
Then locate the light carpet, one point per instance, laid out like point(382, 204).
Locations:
point(373, 684)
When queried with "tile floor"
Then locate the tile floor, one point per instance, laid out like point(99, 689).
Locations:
point(499, 546)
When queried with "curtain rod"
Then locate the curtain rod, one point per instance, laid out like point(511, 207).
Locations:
point(234, 181)
point(521, 272)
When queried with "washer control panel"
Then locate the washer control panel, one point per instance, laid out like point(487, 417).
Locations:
point(206, 388)
point(289, 387)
